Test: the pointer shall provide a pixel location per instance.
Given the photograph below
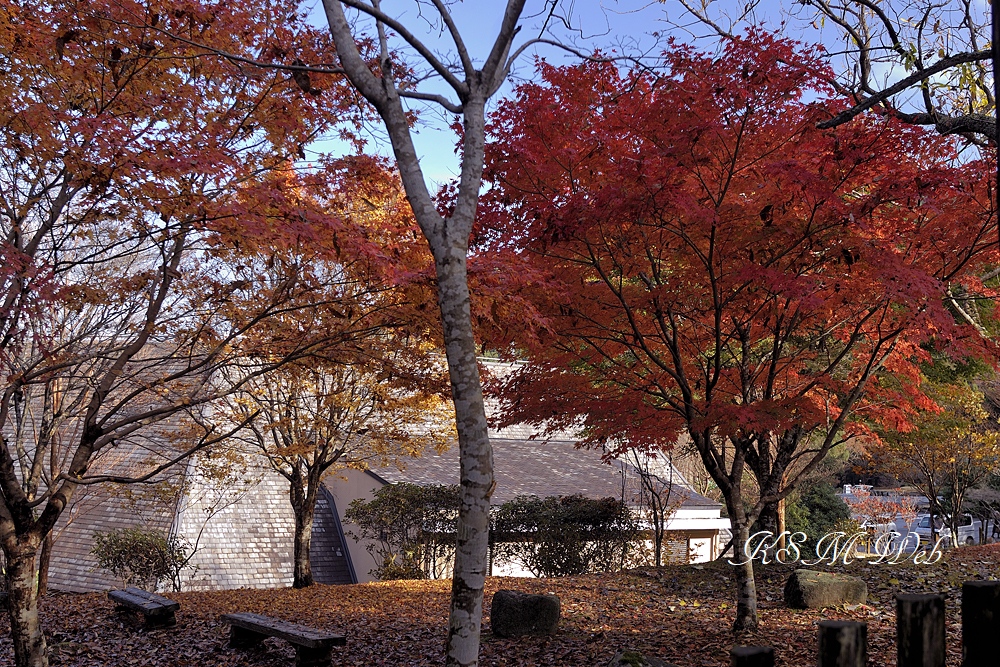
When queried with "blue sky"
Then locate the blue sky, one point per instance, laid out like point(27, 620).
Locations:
point(601, 24)
point(606, 24)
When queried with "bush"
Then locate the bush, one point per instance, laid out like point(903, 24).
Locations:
point(818, 511)
point(565, 535)
point(411, 528)
point(141, 557)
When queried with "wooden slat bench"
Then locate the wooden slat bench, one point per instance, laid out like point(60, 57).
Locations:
point(312, 647)
point(157, 611)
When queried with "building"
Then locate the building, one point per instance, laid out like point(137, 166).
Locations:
point(239, 521)
point(695, 533)
point(242, 529)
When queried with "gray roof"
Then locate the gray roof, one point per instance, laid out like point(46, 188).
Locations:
point(105, 507)
point(534, 467)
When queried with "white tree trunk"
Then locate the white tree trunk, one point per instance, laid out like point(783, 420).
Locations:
point(448, 239)
point(476, 456)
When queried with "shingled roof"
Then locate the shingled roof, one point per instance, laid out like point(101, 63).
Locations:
point(535, 467)
point(105, 507)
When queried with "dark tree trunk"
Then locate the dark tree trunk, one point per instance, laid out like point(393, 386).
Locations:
point(303, 577)
point(303, 494)
point(768, 518)
point(22, 605)
point(746, 585)
point(43, 565)
point(658, 545)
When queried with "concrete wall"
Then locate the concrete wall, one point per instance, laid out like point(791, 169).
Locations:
point(346, 486)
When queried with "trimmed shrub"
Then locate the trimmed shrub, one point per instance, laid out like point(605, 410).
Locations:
point(411, 528)
point(564, 535)
point(141, 557)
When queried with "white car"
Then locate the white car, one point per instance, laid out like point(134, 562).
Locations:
point(968, 529)
point(877, 528)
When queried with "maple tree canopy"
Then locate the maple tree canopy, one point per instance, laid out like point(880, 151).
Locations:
point(143, 247)
point(690, 252)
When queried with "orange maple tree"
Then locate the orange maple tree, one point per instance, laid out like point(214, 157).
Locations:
point(694, 256)
point(125, 157)
point(376, 395)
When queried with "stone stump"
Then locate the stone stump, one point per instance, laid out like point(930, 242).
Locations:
point(809, 589)
point(514, 614)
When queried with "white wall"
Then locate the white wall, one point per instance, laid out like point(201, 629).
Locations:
point(346, 486)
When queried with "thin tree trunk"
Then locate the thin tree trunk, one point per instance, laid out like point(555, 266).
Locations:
point(303, 577)
point(22, 606)
point(957, 500)
point(476, 457)
point(781, 524)
point(449, 242)
point(658, 543)
point(935, 510)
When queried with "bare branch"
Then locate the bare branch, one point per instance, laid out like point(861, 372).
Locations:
point(463, 53)
point(590, 57)
point(459, 86)
point(431, 97)
point(903, 84)
point(202, 444)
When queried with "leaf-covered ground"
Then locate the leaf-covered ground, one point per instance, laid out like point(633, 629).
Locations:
point(678, 613)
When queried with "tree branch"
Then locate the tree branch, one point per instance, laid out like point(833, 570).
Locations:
point(459, 86)
point(315, 69)
point(495, 63)
point(119, 479)
point(903, 84)
point(463, 53)
point(431, 97)
point(350, 58)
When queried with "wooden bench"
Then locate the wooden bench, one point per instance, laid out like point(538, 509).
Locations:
point(312, 647)
point(157, 611)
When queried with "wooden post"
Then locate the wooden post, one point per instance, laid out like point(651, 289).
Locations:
point(920, 630)
point(843, 644)
point(751, 656)
point(980, 623)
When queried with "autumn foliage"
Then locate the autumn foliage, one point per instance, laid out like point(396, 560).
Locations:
point(950, 448)
point(128, 148)
point(696, 256)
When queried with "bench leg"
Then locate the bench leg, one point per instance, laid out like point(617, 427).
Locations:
point(129, 617)
point(243, 638)
point(161, 621)
point(313, 657)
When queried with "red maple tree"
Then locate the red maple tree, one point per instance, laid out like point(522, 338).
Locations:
point(693, 256)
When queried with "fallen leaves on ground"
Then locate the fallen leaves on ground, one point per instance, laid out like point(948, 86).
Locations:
point(678, 613)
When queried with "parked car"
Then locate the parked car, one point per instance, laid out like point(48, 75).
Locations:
point(877, 528)
point(968, 529)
